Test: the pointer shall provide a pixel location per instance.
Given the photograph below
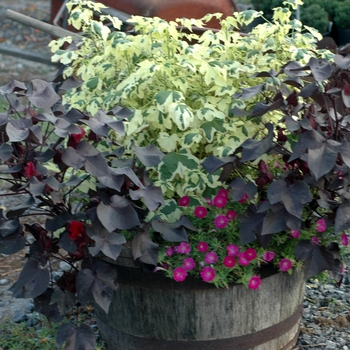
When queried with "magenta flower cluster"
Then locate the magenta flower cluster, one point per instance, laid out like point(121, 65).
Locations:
point(208, 257)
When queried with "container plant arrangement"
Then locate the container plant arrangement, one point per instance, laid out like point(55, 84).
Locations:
point(218, 160)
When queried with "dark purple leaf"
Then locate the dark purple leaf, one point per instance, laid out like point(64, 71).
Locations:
point(291, 124)
point(212, 163)
point(98, 284)
point(249, 92)
point(109, 243)
point(238, 188)
point(117, 218)
point(18, 210)
point(66, 243)
point(152, 196)
point(63, 300)
point(7, 227)
point(252, 150)
point(86, 150)
point(250, 225)
point(127, 171)
point(44, 304)
point(122, 113)
point(36, 187)
point(36, 134)
point(42, 93)
point(321, 160)
point(308, 90)
point(5, 151)
point(57, 222)
point(274, 221)
point(98, 127)
point(11, 87)
point(293, 196)
point(76, 337)
point(321, 69)
point(16, 131)
point(13, 243)
point(316, 258)
point(149, 155)
point(72, 158)
point(144, 249)
point(46, 156)
point(342, 218)
point(172, 232)
point(96, 165)
point(341, 61)
point(112, 181)
point(262, 108)
point(32, 282)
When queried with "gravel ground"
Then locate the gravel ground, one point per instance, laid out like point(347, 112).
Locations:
point(20, 37)
point(326, 313)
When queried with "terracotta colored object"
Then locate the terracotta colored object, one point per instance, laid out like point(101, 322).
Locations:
point(166, 9)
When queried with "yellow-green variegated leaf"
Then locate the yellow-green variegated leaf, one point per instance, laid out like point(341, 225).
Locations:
point(166, 142)
point(181, 115)
point(212, 127)
point(177, 164)
point(166, 98)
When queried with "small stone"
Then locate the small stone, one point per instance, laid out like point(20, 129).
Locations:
point(330, 344)
point(19, 316)
point(4, 281)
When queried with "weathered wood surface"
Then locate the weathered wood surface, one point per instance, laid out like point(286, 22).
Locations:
point(151, 312)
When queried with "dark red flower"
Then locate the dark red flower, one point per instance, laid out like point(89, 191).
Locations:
point(30, 170)
point(74, 139)
point(76, 230)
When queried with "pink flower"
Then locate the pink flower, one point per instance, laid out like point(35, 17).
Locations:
point(184, 201)
point(169, 251)
point(243, 199)
point(232, 250)
point(30, 170)
point(315, 240)
point(285, 264)
point(242, 260)
point(254, 282)
point(211, 258)
point(189, 264)
point(268, 256)
point(209, 202)
point(220, 221)
point(295, 233)
point(231, 215)
point(344, 240)
point(321, 225)
point(250, 254)
point(179, 274)
point(201, 212)
point(183, 248)
point(208, 274)
point(229, 261)
point(219, 201)
point(202, 247)
point(223, 192)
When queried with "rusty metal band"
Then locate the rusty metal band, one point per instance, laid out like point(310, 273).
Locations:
point(244, 342)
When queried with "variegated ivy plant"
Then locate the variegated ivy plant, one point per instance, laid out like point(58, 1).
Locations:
point(179, 86)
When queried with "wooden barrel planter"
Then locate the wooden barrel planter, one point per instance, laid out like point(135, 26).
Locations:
point(151, 312)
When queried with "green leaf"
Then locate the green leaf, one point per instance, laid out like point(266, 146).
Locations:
point(181, 115)
point(177, 164)
point(92, 83)
point(210, 128)
point(165, 98)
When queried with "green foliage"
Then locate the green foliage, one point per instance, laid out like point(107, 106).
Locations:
point(315, 16)
point(179, 86)
point(342, 14)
